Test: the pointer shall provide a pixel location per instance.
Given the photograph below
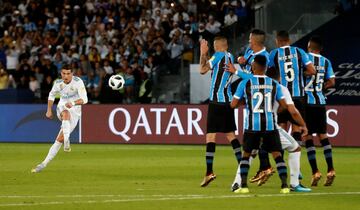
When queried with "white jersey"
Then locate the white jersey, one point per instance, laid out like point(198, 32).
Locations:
point(287, 98)
point(68, 93)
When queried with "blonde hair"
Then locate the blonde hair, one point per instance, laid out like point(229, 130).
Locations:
point(220, 43)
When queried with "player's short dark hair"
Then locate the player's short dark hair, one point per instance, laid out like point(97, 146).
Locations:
point(283, 35)
point(67, 67)
point(260, 60)
point(316, 43)
point(258, 35)
point(258, 32)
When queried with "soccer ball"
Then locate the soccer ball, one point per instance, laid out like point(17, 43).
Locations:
point(116, 82)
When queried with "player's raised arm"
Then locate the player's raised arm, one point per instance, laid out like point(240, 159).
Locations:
point(204, 57)
point(54, 91)
point(239, 72)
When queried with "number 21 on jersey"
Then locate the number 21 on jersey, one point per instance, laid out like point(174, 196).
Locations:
point(260, 100)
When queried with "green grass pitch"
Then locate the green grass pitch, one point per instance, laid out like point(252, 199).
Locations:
point(158, 177)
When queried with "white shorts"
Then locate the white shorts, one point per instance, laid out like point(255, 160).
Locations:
point(74, 115)
point(288, 143)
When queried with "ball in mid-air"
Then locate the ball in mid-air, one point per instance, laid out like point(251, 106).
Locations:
point(116, 82)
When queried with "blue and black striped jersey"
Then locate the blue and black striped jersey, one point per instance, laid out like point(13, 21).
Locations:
point(220, 90)
point(250, 55)
point(314, 84)
point(260, 94)
point(290, 63)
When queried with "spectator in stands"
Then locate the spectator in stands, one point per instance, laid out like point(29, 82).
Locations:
point(49, 68)
point(24, 70)
point(129, 84)
point(92, 86)
point(53, 33)
point(145, 91)
point(230, 18)
point(23, 83)
point(51, 24)
point(4, 78)
point(34, 86)
point(176, 30)
point(12, 58)
point(29, 26)
point(180, 12)
point(107, 67)
point(2, 54)
point(176, 48)
point(213, 26)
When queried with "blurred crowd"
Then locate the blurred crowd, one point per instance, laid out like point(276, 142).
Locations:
point(139, 39)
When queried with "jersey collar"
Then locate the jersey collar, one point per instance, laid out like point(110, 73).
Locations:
point(257, 53)
point(314, 54)
point(286, 46)
point(259, 75)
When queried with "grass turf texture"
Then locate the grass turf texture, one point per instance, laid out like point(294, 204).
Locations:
point(158, 177)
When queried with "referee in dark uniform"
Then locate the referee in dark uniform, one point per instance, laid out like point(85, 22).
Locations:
point(221, 117)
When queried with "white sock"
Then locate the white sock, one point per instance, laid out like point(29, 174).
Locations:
point(52, 152)
point(294, 165)
point(65, 125)
point(237, 176)
point(250, 160)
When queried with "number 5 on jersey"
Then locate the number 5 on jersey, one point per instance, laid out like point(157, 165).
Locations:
point(289, 71)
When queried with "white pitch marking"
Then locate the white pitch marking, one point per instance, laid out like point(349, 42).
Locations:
point(89, 196)
point(171, 197)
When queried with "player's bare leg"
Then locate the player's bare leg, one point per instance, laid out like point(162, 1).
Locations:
point(51, 154)
point(330, 176)
point(65, 126)
point(210, 152)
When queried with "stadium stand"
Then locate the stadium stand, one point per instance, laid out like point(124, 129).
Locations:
point(99, 38)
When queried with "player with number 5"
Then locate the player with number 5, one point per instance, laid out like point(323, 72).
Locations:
point(290, 65)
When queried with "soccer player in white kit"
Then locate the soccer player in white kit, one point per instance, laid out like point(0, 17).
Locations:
point(73, 94)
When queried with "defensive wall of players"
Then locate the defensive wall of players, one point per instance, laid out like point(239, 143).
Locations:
point(146, 124)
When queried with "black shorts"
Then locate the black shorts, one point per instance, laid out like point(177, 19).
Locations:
point(269, 141)
point(315, 119)
point(220, 118)
point(285, 116)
